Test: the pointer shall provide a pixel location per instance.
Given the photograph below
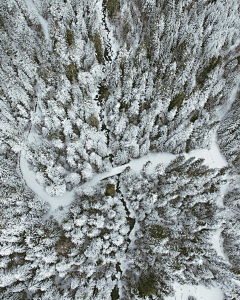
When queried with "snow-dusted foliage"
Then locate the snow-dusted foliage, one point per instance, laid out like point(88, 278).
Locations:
point(89, 91)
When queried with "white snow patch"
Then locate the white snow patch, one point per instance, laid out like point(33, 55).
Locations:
point(30, 178)
point(200, 292)
point(124, 265)
point(42, 21)
point(223, 110)
point(120, 288)
point(154, 158)
point(33, 137)
point(217, 243)
point(132, 235)
point(213, 157)
point(223, 191)
point(236, 282)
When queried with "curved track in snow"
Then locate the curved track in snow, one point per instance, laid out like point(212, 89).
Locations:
point(213, 159)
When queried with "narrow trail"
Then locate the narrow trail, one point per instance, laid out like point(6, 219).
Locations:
point(213, 159)
point(68, 197)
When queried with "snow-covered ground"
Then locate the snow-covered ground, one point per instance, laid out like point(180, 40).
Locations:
point(217, 243)
point(223, 191)
point(200, 292)
point(212, 157)
point(224, 109)
point(216, 239)
point(29, 176)
point(155, 158)
point(42, 21)
point(67, 198)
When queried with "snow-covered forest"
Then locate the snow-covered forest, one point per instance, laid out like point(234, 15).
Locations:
point(120, 149)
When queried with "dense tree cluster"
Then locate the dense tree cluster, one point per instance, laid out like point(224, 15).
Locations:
point(87, 86)
point(177, 213)
point(228, 134)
